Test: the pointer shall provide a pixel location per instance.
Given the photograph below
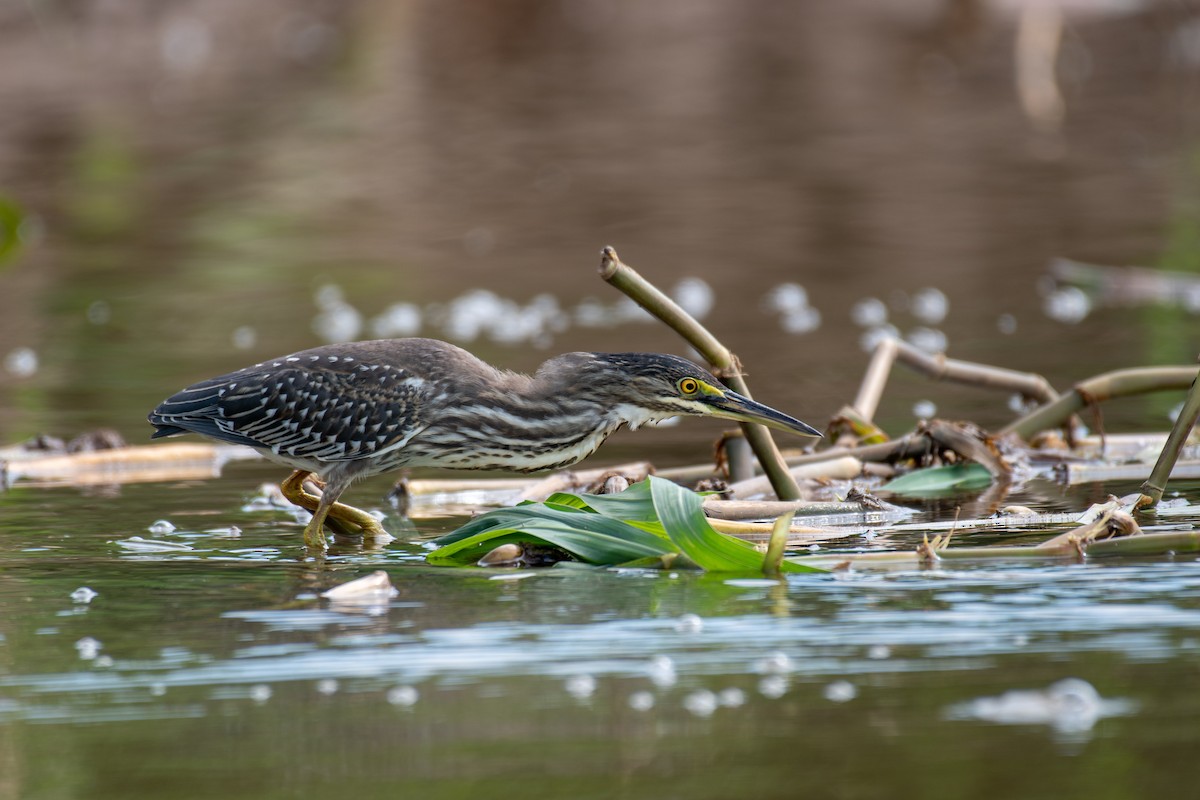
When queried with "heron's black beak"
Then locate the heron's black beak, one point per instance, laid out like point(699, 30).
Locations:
point(731, 405)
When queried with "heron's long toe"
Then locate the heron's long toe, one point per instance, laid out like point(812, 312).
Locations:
point(364, 521)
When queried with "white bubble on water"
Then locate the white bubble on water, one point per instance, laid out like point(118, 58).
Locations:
point(661, 671)
point(327, 686)
point(773, 686)
point(689, 623)
point(930, 305)
point(787, 298)
point(1068, 304)
point(396, 321)
point(731, 697)
point(929, 340)
point(260, 693)
point(695, 296)
point(21, 362)
point(701, 702)
point(924, 409)
point(774, 664)
point(88, 648)
point(84, 594)
point(161, 527)
point(870, 339)
point(641, 701)
point(581, 687)
point(870, 312)
point(403, 695)
point(1006, 324)
point(879, 652)
point(840, 691)
point(803, 320)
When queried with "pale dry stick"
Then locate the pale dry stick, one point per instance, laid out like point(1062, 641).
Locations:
point(1156, 484)
point(625, 279)
point(1146, 544)
point(767, 509)
point(939, 368)
point(134, 464)
point(845, 468)
point(1119, 383)
point(909, 446)
point(870, 391)
point(1092, 473)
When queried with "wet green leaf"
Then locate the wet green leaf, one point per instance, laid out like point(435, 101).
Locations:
point(935, 481)
point(650, 519)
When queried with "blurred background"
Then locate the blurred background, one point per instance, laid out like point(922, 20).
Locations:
point(190, 187)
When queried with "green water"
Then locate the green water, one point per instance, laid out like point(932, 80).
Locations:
point(216, 670)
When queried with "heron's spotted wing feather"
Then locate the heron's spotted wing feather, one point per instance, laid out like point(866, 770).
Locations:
point(327, 409)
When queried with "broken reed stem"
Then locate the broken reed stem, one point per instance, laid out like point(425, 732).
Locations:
point(629, 282)
point(1157, 482)
point(1145, 544)
point(938, 367)
point(1119, 383)
point(875, 379)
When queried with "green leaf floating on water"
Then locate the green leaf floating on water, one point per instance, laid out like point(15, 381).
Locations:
point(649, 520)
point(936, 481)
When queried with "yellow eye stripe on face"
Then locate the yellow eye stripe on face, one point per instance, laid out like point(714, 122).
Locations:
point(694, 386)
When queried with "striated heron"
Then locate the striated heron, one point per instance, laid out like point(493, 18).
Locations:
point(347, 411)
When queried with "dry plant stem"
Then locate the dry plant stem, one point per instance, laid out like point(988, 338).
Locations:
point(766, 509)
point(939, 368)
point(910, 446)
point(874, 381)
point(1146, 544)
point(1153, 488)
point(649, 297)
point(1119, 383)
point(845, 468)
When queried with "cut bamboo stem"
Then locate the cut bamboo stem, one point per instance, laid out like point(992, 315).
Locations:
point(1119, 383)
point(939, 367)
point(1156, 484)
point(628, 281)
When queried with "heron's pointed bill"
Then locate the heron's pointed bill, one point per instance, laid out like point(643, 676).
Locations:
point(731, 405)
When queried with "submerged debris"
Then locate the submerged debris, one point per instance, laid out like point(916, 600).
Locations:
point(374, 588)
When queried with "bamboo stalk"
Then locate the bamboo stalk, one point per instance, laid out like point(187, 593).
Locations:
point(939, 367)
point(844, 468)
point(1091, 473)
point(769, 509)
point(625, 279)
point(880, 367)
point(1156, 484)
point(1119, 383)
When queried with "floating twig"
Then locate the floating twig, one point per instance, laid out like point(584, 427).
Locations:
point(137, 464)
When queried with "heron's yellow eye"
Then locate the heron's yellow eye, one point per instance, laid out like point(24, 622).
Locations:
point(688, 385)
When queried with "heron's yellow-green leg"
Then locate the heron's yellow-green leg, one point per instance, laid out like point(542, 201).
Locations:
point(341, 518)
